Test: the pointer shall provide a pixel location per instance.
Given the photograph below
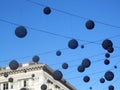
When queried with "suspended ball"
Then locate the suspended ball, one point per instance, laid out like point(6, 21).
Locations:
point(90, 88)
point(110, 49)
point(86, 79)
point(106, 62)
point(36, 59)
point(64, 65)
point(86, 63)
point(58, 53)
point(90, 24)
point(73, 44)
point(81, 68)
point(57, 75)
point(13, 65)
point(115, 67)
point(47, 10)
point(82, 46)
point(107, 55)
point(109, 75)
point(102, 80)
point(43, 86)
point(107, 43)
point(111, 87)
point(21, 31)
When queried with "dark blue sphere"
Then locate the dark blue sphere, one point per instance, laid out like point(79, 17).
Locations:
point(58, 53)
point(64, 65)
point(43, 86)
point(21, 31)
point(107, 55)
point(109, 75)
point(81, 68)
point(47, 10)
point(86, 63)
point(106, 62)
point(102, 80)
point(13, 65)
point(90, 24)
point(110, 49)
point(111, 87)
point(86, 79)
point(73, 44)
point(57, 75)
point(36, 59)
point(107, 44)
point(82, 46)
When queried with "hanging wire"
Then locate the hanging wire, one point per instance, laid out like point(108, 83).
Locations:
point(58, 35)
point(48, 33)
point(43, 31)
point(71, 14)
point(94, 73)
point(66, 36)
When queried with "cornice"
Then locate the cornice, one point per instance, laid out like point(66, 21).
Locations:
point(22, 69)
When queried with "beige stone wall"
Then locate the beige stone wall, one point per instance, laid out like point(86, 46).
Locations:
point(32, 83)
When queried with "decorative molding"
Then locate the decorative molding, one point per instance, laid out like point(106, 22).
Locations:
point(23, 69)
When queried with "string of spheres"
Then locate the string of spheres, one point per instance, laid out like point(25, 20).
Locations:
point(107, 45)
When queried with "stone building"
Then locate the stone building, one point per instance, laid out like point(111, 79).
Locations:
point(31, 76)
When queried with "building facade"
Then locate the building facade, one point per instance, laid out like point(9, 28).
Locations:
point(31, 76)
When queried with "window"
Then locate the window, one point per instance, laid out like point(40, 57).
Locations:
point(5, 86)
point(57, 86)
point(25, 83)
point(48, 81)
point(11, 86)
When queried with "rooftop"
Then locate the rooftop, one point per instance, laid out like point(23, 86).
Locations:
point(26, 67)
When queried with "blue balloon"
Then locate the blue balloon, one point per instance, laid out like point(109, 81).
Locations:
point(90, 88)
point(43, 86)
point(13, 65)
point(36, 59)
point(64, 65)
point(58, 53)
point(86, 63)
point(47, 10)
point(57, 75)
point(21, 31)
point(86, 79)
point(111, 87)
point(90, 24)
point(82, 46)
point(107, 55)
point(107, 44)
point(110, 49)
point(73, 44)
point(115, 66)
point(109, 75)
point(81, 68)
point(106, 62)
point(102, 80)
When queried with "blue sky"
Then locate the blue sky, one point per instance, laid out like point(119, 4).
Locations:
point(67, 18)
